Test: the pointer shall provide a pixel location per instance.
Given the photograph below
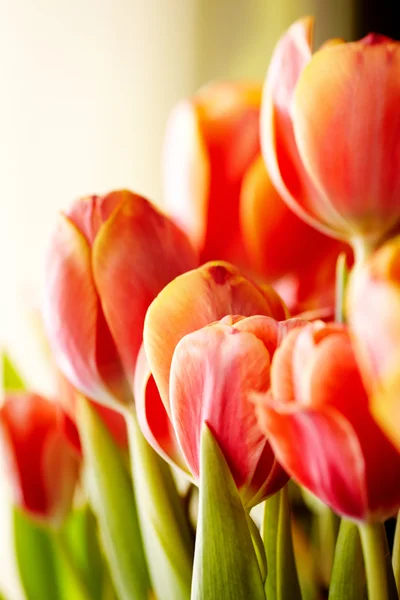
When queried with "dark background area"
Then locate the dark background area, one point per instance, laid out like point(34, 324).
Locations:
point(381, 16)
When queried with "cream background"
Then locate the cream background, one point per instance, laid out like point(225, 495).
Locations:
point(86, 86)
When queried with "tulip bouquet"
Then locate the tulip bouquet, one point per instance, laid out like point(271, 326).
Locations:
point(227, 415)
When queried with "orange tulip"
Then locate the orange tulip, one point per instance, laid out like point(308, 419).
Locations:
point(330, 132)
point(110, 256)
point(373, 304)
point(317, 418)
point(40, 445)
point(206, 365)
point(217, 189)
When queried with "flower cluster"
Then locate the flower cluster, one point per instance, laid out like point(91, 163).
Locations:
point(210, 334)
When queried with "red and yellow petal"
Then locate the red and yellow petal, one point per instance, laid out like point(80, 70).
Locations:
point(346, 119)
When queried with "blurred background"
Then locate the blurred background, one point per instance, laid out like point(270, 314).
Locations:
point(87, 86)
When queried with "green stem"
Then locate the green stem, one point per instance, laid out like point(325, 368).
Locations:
point(167, 535)
point(65, 553)
point(258, 546)
point(328, 527)
point(341, 282)
point(373, 545)
point(396, 553)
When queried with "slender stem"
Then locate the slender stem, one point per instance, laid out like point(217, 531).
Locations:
point(73, 569)
point(258, 546)
point(328, 527)
point(373, 545)
point(396, 553)
point(341, 282)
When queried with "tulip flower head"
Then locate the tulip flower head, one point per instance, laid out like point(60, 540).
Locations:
point(109, 257)
point(206, 366)
point(216, 187)
point(41, 449)
point(373, 304)
point(330, 132)
point(318, 420)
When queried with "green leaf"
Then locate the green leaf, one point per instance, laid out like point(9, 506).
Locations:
point(166, 532)
point(348, 576)
point(36, 559)
point(80, 541)
point(282, 582)
point(12, 380)
point(111, 495)
point(225, 563)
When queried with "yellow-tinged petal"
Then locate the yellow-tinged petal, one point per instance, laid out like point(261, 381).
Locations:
point(346, 122)
point(196, 299)
point(186, 172)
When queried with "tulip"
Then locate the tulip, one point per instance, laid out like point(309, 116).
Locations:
point(206, 365)
point(109, 257)
point(215, 181)
point(373, 305)
point(318, 421)
point(41, 449)
point(330, 124)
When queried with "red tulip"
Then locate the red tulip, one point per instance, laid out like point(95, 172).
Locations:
point(217, 189)
point(41, 449)
point(317, 418)
point(374, 314)
point(110, 256)
point(330, 132)
point(206, 369)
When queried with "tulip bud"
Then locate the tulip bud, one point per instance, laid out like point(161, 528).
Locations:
point(330, 125)
point(373, 304)
point(318, 421)
point(109, 257)
point(41, 450)
point(215, 180)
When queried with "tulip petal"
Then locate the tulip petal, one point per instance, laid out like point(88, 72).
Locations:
point(320, 450)
point(282, 158)
point(277, 241)
point(142, 250)
point(194, 300)
point(213, 372)
point(186, 172)
point(346, 122)
point(153, 419)
point(73, 317)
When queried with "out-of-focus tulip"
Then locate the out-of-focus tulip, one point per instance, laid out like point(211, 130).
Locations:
point(217, 189)
point(317, 418)
point(206, 369)
point(330, 124)
point(373, 304)
point(113, 420)
point(41, 449)
point(109, 257)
